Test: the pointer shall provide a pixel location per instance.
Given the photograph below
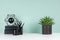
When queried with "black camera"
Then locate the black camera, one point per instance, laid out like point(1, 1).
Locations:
point(14, 26)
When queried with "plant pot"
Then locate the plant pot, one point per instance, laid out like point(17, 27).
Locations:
point(46, 29)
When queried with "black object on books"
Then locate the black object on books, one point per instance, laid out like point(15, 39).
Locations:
point(14, 26)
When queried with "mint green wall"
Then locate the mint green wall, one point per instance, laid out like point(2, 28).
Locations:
point(30, 11)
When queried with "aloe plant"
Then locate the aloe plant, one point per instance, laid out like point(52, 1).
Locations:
point(46, 21)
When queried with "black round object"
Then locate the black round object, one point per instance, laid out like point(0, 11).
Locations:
point(10, 20)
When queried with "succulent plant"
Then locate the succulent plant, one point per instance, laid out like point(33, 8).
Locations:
point(46, 21)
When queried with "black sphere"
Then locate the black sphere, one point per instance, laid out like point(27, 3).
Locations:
point(10, 20)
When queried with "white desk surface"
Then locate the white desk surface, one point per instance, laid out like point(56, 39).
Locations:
point(30, 36)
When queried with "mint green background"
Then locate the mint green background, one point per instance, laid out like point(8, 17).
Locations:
point(30, 12)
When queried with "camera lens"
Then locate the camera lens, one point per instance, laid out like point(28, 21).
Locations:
point(10, 20)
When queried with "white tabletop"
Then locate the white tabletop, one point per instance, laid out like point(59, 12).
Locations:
point(30, 36)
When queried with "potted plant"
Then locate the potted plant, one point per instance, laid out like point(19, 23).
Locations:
point(46, 23)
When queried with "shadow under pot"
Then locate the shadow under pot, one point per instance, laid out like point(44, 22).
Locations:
point(46, 29)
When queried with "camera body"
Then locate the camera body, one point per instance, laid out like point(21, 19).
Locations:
point(11, 19)
point(14, 26)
